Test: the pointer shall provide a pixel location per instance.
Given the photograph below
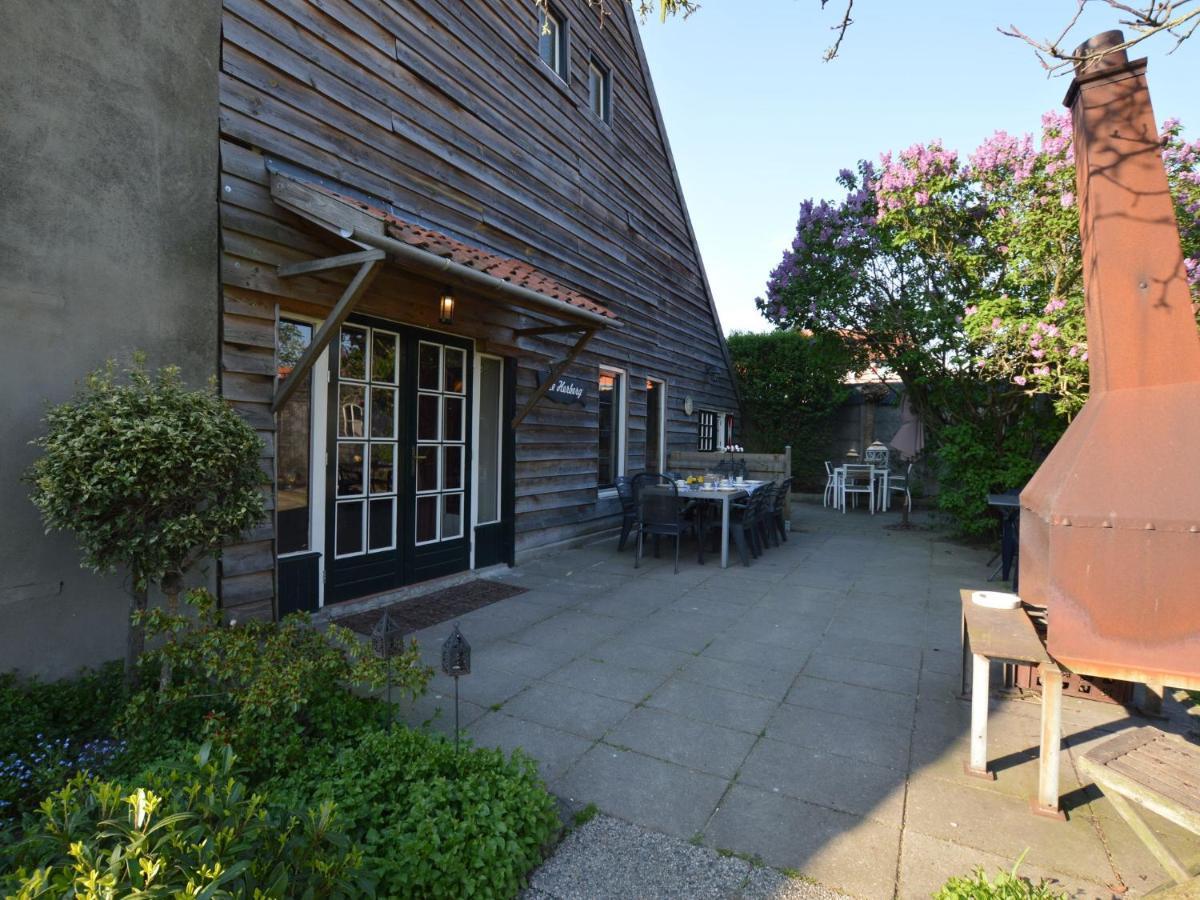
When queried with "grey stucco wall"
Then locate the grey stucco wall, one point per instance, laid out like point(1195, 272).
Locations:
point(108, 244)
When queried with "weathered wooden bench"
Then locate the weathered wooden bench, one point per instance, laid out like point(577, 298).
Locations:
point(1160, 772)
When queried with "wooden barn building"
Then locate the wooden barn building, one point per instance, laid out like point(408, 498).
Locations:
point(470, 225)
point(448, 275)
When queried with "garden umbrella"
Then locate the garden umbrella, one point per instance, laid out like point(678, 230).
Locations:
point(910, 436)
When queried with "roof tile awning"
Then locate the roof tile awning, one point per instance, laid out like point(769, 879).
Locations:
point(513, 271)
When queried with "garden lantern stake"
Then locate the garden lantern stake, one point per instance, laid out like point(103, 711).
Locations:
point(387, 637)
point(456, 661)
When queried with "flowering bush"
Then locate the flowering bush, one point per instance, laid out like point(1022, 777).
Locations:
point(964, 277)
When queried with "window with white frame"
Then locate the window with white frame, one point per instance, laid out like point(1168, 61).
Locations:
point(552, 41)
point(708, 437)
point(600, 90)
point(611, 454)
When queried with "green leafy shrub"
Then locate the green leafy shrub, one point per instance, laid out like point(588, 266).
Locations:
point(269, 689)
point(48, 731)
point(148, 475)
point(976, 461)
point(791, 385)
point(1007, 886)
point(194, 830)
point(433, 822)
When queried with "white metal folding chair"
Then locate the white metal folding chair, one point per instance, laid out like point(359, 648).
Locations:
point(831, 486)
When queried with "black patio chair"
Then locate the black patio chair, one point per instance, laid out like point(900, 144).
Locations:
point(777, 514)
point(628, 509)
point(764, 529)
point(661, 513)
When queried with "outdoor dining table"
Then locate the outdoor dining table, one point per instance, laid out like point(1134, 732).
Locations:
point(725, 496)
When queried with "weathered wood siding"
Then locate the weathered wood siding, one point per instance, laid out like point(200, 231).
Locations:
point(445, 111)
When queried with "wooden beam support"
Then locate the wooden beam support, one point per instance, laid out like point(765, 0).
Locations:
point(547, 329)
point(291, 270)
point(345, 305)
point(553, 377)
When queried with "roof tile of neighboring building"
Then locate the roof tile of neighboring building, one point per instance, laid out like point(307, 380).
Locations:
point(510, 270)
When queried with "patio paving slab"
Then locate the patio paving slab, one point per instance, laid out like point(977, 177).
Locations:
point(835, 782)
point(607, 680)
point(685, 741)
point(878, 744)
point(658, 795)
point(803, 711)
point(851, 700)
point(757, 681)
point(840, 850)
point(713, 705)
point(559, 706)
point(859, 672)
point(554, 750)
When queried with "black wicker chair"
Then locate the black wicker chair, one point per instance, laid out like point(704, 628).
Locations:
point(777, 514)
point(628, 509)
point(660, 513)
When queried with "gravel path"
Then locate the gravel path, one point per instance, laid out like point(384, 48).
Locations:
point(608, 858)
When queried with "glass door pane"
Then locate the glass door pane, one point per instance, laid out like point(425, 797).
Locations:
point(488, 446)
point(654, 425)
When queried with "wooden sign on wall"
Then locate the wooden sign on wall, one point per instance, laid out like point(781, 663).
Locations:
point(566, 390)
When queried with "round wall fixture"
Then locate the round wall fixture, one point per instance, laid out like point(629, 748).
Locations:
point(687, 405)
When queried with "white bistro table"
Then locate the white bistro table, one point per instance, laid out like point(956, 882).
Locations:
point(879, 484)
point(724, 496)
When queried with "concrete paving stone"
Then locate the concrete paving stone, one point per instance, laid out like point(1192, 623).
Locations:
point(486, 685)
point(536, 662)
point(854, 701)
point(717, 607)
point(622, 650)
point(709, 704)
point(731, 649)
point(551, 600)
point(435, 712)
point(612, 606)
point(1136, 866)
point(852, 786)
point(878, 651)
point(819, 574)
point(990, 821)
point(892, 585)
point(926, 863)
point(690, 573)
point(684, 741)
point(944, 686)
point(838, 849)
point(656, 794)
point(796, 633)
point(686, 635)
point(553, 750)
point(559, 706)
point(909, 635)
point(853, 739)
point(947, 660)
point(758, 681)
point(568, 631)
point(607, 679)
point(862, 673)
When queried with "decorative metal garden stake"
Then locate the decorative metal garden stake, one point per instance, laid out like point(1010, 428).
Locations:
point(387, 637)
point(456, 661)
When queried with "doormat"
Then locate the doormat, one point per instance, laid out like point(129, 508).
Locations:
point(420, 612)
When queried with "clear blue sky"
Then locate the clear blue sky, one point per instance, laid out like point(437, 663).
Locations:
point(758, 122)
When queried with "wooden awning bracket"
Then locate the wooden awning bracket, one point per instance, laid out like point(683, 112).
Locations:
point(291, 270)
point(547, 329)
point(557, 371)
point(354, 290)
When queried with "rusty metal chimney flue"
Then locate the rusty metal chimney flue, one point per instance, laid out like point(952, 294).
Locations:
point(1110, 523)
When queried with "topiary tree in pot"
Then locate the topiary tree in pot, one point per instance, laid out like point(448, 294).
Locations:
point(149, 476)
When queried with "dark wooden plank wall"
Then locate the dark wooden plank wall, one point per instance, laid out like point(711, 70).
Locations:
point(444, 110)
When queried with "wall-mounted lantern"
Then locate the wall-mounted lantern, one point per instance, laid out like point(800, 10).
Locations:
point(446, 306)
